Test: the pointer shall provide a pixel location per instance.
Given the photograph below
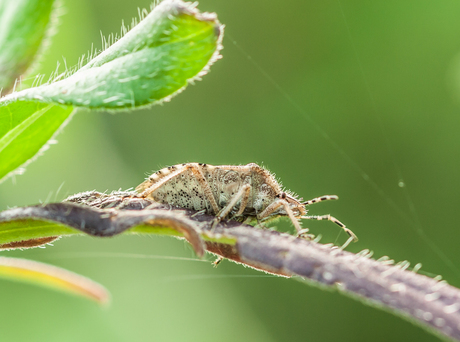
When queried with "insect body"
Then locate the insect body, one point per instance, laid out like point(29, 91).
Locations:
point(246, 192)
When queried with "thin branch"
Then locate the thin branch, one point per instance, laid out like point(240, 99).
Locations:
point(431, 303)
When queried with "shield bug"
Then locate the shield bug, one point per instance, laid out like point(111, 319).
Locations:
point(247, 193)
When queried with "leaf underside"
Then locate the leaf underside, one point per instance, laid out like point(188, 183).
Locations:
point(172, 46)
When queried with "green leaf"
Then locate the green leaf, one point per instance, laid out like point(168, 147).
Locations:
point(52, 277)
point(169, 48)
point(23, 26)
point(25, 128)
point(27, 227)
point(24, 230)
point(16, 231)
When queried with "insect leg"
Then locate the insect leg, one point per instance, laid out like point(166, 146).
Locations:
point(217, 261)
point(270, 209)
point(332, 219)
point(205, 186)
point(242, 194)
point(275, 205)
point(320, 199)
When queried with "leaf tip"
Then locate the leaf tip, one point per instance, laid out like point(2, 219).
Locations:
point(53, 277)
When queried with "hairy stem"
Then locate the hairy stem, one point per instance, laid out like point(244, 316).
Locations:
point(431, 303)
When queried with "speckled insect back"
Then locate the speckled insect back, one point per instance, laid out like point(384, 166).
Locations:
point(244, 192)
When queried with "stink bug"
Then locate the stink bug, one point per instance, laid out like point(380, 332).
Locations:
point(246, 192)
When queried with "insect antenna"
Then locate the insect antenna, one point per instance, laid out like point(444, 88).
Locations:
point(320, 199)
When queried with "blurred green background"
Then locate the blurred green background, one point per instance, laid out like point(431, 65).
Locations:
point(380, 78)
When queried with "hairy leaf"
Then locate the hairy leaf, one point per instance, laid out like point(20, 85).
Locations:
point(170, 47)
point(23, 27)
